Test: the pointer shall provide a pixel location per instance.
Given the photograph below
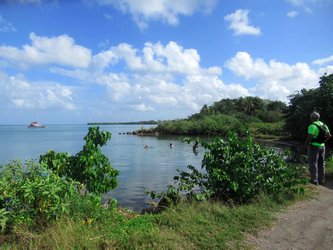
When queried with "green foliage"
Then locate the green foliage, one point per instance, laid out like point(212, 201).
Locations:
point(237, 115)
point(31, 194)
point(89, 166)
point(245, 105)
point(270, 116)
point(88, 208)
point(241, 169)
point(218, 124)
point(304, 102)
point(261, 129)
point(237, 170)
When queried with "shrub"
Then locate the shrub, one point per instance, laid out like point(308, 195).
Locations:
point(89, 166)
point(237, 170)
point(31, 194)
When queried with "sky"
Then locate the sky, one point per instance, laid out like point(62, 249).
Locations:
point(74, 62)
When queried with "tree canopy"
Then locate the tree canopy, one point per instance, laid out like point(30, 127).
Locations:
point(304, 102)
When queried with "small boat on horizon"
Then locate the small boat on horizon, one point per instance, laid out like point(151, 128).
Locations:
point(36, 125)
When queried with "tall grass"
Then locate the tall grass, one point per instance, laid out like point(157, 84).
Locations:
point(205, 225)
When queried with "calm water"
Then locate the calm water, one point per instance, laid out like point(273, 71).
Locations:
point(140, 169)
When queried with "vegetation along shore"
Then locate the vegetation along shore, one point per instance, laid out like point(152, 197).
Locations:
point(56, 202)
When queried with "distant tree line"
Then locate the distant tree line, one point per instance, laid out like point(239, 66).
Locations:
point(150, 122)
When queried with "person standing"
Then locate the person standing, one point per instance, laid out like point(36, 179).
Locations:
point(315, 145)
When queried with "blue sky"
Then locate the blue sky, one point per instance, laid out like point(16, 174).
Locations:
point(132, 60)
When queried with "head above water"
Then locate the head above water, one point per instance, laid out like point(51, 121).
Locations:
point(314, 116)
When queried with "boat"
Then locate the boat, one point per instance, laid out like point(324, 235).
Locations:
point(36, 125)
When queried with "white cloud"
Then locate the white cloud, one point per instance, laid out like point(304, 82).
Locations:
point(154, 58)
point(327, 70)
point(167, 78)
point(323, 61)
point(165, 10)
point(240, 23)
point(141, 107)
point(117, 85)
point(158, 80)
point(292, 14)
point(60, 50)
point(6, 26)
point(18, 92)
point(203, 89)
point(274, 80)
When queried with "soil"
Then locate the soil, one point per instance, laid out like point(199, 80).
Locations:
point(304, 225)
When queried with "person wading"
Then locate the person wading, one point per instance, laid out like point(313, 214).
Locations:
point(318, 134)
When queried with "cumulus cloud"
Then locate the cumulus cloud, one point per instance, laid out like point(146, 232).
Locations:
point(156, 77)
point(6, 26)
point(240, 23)
point(274, 80)
point(163, 79)
point(60, 50)
point(117, 85)
point(18, 92)
point(156, 58)
point(165, 10)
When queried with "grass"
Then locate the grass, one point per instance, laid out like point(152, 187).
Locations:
point(209, 225)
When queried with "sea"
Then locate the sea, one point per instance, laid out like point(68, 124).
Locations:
point(145, 163)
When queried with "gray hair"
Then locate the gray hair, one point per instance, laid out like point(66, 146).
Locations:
point(314, 116)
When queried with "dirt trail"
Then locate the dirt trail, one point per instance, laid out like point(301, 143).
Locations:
point(305, 225)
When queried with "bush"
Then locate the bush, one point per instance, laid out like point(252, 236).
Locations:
point(237, 170)
point(265, 128)
point(270, 116)
point(89, 166)
point(215, 124)
point(30, 194)
point(241, 170)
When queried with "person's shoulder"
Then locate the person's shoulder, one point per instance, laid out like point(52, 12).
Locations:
point(312, 128)
point(319, 123)
point(313, 125)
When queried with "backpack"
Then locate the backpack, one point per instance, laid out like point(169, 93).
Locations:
point(323, 135)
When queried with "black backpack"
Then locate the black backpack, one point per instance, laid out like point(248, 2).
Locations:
point(324, 134)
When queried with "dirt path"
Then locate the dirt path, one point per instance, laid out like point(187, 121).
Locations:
point(305, 225)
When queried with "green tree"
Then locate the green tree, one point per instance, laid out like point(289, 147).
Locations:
point(304, 102)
